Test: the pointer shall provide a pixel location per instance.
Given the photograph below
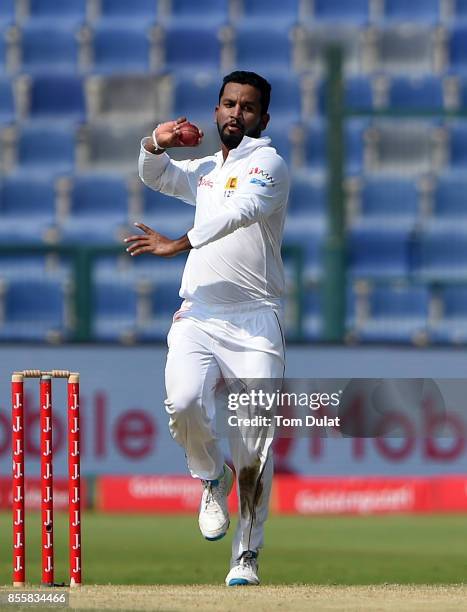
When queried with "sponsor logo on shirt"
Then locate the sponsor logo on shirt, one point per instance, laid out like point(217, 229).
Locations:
point(205, 182)
point(261, 177)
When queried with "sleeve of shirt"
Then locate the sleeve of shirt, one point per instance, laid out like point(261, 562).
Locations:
point(174, 178)
point(264, 191)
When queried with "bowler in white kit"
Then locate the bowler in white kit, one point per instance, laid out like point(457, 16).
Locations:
point(229, 325)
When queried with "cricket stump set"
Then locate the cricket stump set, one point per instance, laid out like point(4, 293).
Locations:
point(74, 489)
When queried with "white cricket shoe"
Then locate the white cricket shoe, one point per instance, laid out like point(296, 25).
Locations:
point(245, 572)
point(214, 519)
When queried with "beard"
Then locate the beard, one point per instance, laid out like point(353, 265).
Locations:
point(231, 141)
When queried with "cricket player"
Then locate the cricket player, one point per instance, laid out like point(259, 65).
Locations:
point(229, 325)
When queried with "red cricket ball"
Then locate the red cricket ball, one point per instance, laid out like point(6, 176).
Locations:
point(189, 135)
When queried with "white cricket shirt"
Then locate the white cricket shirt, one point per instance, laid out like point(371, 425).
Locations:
point(239, 220)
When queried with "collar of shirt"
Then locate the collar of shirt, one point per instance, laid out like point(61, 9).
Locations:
point(245, 148)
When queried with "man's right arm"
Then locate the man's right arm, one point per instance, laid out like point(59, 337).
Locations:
point(159, 172)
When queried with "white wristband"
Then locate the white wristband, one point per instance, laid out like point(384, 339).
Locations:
point(154, 140)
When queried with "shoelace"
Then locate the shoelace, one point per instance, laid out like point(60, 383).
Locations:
point(207, 484)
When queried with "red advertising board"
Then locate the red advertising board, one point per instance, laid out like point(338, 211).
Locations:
point(171, 494)
point(33, 493)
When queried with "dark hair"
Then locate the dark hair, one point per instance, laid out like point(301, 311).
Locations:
point(250, 78)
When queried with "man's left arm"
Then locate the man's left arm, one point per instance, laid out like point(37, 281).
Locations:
point(264, 191)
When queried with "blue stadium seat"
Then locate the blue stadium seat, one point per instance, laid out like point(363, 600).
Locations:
point(49, 48)
point(458, 47)
point(451, 323)
point(121, 48)
point(335, 11)
point(27, 208)
point(441, 253)
point(192, 48)
point(166, 213)
point(57, 96)
point(457, 131)
point(427, 11)
point(3, 48)
point(388, 200)
point(121, 11)
point(7, 101)
point(46, 148)
point(115, 305)
point(396, 314)
point(34, 310)
point(358, 94)
point(266, 12)
point(286, 98)
point(449, 201)
point(7, 12)
point(280, 134)
point(309, 235)
point(315, 144)
point(354, 133)
point(164, 301)
point(196, 96)
point(422, 93)
point(374, 252)
point(57, 11)
point(263, 49)
point(98, 209)
point(460, 10)
point(212, 12)
point(312, 314)
point(307, 196)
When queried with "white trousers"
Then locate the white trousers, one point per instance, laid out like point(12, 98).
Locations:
point(204, 349)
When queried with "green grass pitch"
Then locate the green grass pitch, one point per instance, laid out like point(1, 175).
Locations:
point(151, 549)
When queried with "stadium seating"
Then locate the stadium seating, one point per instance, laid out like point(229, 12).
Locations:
point(313, 314)
point(27, 208)
point(34, 310)
point(192, 48)
point(449, 203)
point(98, 208)
point(388, 201)
point(405, 49)
point(214, 12)
point(121, 48)
point(142, 12)
point(418, 94)
point(267, 12)
point(395, 314)
point(159, 305)
point(56, 97)
point(46, 148)
point(312, 41)
point(450, 325)
point(7, 101)
point(115, 310)
point(457, 147)
point(307, 196)
point(458, 48)
point(379, 252)
point(416, 11)
point(342, 11)
point(7, 12)
point(49, 48)
point(196, 96)
point(314, 144)
point(441, 253)
point(3, 48)
point(72, 12)
point(264, 50)
point(165, 213)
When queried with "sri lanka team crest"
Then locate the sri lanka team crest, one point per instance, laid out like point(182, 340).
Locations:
point(230, 186)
